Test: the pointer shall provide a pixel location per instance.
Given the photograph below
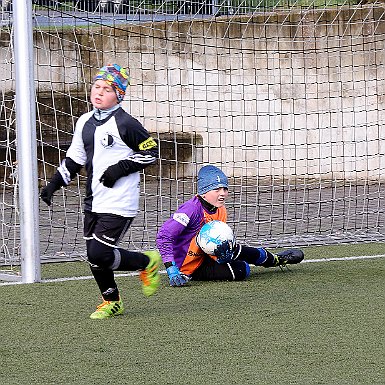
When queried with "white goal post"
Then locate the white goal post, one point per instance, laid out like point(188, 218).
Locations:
point(26, 146)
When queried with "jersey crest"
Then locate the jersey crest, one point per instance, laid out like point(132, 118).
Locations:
point(107, 140)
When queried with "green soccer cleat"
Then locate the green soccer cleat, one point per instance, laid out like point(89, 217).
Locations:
point(108, 309)
point(150, 275)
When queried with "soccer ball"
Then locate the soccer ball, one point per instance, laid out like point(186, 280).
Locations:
point(213, 234)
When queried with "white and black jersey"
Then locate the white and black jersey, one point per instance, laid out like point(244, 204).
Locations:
point(98, 144)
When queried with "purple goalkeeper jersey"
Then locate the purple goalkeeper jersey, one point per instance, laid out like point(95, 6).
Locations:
point(174, 237)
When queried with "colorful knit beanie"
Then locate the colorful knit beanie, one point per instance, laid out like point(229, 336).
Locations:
point(116, 76)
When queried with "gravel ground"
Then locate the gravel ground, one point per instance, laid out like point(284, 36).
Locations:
point(276, 215)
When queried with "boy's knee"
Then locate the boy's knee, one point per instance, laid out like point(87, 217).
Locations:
point(241, 270)
point(100, 254)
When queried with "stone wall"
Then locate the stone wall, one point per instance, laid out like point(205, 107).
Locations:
point(270, 95)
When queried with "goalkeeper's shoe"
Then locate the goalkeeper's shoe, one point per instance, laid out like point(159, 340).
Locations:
point(108, 309)
point(150, 275)
point(289, 257)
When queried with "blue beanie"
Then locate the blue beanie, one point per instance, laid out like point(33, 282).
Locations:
point(211, 178)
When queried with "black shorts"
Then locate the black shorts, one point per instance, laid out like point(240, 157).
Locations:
point(211, 270)
point(106, 228)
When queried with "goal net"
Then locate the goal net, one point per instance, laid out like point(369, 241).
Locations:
point(287, 97)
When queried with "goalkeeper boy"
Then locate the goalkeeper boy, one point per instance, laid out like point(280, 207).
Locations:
point(113, 147)
point(183, 258)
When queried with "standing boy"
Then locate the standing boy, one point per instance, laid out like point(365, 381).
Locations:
point(113, 147)
point(183, 258)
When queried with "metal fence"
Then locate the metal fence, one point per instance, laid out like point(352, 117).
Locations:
point(189, 7)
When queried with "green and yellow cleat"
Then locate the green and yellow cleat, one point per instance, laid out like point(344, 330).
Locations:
point(108, 309)
point(289, 257)
point(150, 275)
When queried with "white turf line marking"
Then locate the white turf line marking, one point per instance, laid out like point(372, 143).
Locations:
point(132, 274)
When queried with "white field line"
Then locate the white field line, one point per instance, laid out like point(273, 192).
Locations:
point(343, 258)
point(135, 273)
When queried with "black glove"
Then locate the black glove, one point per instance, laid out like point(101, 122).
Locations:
point(47, 192)
point(224, 252)
point(112, 174)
